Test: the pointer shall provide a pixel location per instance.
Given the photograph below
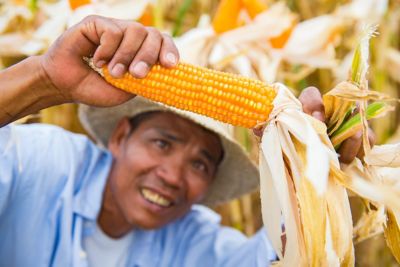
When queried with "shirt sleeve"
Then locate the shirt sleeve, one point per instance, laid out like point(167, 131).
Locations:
point(7, 162)
point(36, 163)
point(215, 245)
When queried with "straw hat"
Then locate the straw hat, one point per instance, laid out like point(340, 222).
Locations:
point(236, 174)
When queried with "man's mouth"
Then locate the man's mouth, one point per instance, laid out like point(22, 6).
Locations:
point(155, 198)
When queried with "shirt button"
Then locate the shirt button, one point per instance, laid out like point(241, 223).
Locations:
point(82, 254)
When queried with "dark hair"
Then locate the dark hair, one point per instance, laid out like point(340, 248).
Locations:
point(138, 119)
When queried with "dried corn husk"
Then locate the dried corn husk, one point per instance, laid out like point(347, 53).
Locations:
point(122, 9)
point(370, 224)
point(245, 50)
point(310, 206)
point(312, 42)
point(25, 37)
point(366, 11)
point(302, 192)
point(392, 234)
point(375, 178)
point(14, 17)
point(392, 58)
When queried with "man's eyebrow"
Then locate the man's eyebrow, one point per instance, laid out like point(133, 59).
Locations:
point(173, 137)
point(211, 158)
point(169, 135)
point(208, 156)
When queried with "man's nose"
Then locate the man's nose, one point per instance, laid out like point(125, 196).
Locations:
point(171, 170)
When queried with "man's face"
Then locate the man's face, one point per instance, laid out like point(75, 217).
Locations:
point(161, 168)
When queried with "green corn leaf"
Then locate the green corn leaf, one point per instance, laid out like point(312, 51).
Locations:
point(158, 14)
point(359, 65)
point(33, 5)
point(356, 66)
point(181, 15)
point(353, 124)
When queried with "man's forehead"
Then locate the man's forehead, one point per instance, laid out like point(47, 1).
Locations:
point(177, 123)
point(164, 119)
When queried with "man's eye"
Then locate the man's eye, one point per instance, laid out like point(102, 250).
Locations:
point(198, 165)
point(162, 143)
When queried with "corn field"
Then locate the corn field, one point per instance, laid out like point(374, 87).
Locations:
point(349, 50)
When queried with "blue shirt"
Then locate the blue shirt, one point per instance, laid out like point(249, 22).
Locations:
point(51, 187)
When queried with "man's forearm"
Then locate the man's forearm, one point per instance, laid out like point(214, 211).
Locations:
point(25, 89)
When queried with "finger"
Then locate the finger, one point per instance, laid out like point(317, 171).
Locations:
point(76, 40)
point(106, 34)
point(349, 148)
point(90, 94)
point(134, 35)
point(147, 55)
point(169, 55)
point(258, 131)
point(313, 105)
point(371, 139)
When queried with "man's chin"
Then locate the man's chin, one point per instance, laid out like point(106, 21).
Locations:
point(147, 222)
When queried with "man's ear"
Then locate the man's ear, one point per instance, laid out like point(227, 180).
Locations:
point(120, 133)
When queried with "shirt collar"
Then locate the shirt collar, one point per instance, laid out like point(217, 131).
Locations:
point(89, 195)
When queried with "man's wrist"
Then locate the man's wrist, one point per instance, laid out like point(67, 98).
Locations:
point(26, 89)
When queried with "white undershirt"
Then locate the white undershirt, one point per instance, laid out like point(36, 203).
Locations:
point(104, 251)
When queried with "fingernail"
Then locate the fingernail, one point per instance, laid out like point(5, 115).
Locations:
point(140, 69)
point(100, 63)
point(358, 134)
point(118, 70)
point(318, 115)
point(171, 58)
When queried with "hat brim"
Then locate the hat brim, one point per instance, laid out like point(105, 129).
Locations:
point(236, 174)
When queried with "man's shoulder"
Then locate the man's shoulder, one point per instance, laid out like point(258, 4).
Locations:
point(199, 217)
point(40, 134)
point(41, 146)
point(42, 128)
point(202, 213)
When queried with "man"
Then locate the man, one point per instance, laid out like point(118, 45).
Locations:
point(66, 202)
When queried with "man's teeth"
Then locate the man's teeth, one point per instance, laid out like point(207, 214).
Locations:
point(155, 198)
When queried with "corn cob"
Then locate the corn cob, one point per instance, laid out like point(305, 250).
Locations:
point(147, 18)
point(74, 4)
point(279, 41)
point(226, 97)
point(254, 7)
point(227, 16)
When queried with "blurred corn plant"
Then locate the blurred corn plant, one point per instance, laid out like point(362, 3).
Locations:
point(297, 42)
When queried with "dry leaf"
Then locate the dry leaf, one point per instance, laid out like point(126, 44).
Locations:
point(392, 235)
point(312, 42)
point(354, 178)
point(290, 147)
point(349, 91)
point(384, 156)
point(370, 224)
point(367, 11)
point(392, 58)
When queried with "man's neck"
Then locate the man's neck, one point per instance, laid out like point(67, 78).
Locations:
point(111, 219)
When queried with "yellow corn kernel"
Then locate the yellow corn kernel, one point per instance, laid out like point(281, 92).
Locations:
point(223, 96)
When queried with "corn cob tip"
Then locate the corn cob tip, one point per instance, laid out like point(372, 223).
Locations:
point(90, 62)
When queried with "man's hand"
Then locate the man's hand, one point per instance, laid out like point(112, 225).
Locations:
point(311, 100)
point(313, 105)
point(123, 45)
